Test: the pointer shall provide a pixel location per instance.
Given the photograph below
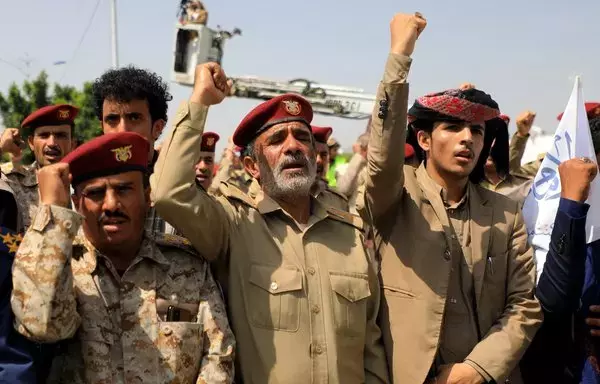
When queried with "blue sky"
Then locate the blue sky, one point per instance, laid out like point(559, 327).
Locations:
point(525, 53)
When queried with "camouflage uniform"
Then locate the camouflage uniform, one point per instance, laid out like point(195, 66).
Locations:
point(64, 288)
point(22, 180)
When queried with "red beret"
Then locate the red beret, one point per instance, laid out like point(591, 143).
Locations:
point(280, 109)
point(409, 151)
point(592, 110)
point(108, 154)
point(321, 134)
point(61, 114)
point(209, 142)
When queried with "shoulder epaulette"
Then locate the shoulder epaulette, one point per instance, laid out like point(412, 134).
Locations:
point(346, 217)
point(232, 192)
point(9, 241)
point(164, 240)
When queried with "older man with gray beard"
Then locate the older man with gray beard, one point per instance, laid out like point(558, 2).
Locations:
point(303, 296)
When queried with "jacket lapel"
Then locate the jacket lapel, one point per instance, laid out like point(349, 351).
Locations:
point(481, 223)
point(433, 197)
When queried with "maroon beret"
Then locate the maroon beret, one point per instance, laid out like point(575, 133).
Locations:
point(209, 142)
point(108, 154)
point(321, 134)
point(592, 110)
point(280, 109)
point(60, 114)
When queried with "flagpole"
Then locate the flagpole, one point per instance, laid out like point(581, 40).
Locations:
point(113, 30)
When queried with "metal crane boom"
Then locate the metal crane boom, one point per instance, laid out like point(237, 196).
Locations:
point(345, 102)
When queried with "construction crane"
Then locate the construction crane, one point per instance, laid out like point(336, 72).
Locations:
point(196, 43)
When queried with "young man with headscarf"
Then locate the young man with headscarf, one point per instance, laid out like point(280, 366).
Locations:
point(457, 273)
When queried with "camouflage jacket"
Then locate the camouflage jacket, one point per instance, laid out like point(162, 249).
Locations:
point(22, 179)
point(65, 288)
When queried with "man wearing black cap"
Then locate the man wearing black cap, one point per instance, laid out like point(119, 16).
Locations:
point(457, 273)
point(49, 132)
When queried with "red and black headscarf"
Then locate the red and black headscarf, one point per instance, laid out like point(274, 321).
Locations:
point(454, 105)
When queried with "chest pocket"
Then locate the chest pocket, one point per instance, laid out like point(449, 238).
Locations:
point(350, 301)
point(180, 345)
point(274, 295)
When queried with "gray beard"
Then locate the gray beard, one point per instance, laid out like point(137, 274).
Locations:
point(282, 186)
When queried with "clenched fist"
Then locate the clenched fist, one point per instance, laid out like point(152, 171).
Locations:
point(467, 86)
point(525, 122)
point(210, 84)
point(53, 183)
point(405, 30)
point(576, 176)
point(11, 142)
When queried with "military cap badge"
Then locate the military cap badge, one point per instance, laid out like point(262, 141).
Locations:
point(122, 154)
point(292, 107)
point(64, 114)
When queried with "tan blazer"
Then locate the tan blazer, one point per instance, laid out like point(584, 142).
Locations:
point(412, 229)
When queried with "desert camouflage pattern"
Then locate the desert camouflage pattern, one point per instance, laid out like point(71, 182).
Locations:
point(65, 288)
point(22, 179)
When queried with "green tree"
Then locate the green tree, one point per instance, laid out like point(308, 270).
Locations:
point(31, 95)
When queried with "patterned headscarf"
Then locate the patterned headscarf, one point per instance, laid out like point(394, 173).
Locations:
point(471, 105)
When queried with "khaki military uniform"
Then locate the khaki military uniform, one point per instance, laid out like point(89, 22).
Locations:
point(516, 151)
point(23, 181)
point(506, 185)
point(352, 180)
point(303, 298)
point(62, 289)
point(454, 277)
point(329, 196)
point(226, 172)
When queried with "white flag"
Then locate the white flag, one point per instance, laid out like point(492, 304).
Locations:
point(572, 139)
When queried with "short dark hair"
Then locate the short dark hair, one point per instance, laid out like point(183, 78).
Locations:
point(131, 83)
point(595, 131)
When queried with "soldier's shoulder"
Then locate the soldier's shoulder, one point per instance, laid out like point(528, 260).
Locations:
point(346, 218)
point(168, 242)
point(9, 168)
point(336, 193)
point(233, 192)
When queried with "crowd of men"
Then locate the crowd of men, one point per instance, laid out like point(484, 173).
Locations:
point(123, 261)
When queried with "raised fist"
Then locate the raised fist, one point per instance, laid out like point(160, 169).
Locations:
point(525, 122)
point(11, 142)
point(53, 183)
point(210, 84)
point(576, 176)
point(405, 30)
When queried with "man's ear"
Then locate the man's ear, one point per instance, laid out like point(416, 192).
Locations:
point(251, 166)
point(424, 140)
point(30, 141)
point(157, 128)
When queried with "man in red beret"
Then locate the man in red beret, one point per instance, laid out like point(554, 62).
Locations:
point(321, 189)
point(205, 167)
point(140, 309)
point(353, 178)
point(49, 133)
point(458, 275)
point(302, 294)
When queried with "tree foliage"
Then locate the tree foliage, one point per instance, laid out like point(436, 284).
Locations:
point(22, 100)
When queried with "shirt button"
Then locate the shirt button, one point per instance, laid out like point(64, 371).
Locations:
point(447, 254)
point(311, 270)
point(318, 350)
point(316, 309)
point(68, 224)
point(168, 331)
point(274, 286)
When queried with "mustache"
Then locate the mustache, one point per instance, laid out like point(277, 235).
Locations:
point(108, 216)
point(295, 159)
